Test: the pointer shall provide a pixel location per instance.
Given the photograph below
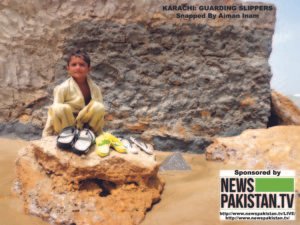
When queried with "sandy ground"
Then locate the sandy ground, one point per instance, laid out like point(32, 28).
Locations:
point(189, 198)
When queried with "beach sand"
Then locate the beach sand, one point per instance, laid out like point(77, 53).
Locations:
point(189, 198)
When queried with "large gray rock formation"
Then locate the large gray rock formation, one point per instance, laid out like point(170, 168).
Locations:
point(175, 82)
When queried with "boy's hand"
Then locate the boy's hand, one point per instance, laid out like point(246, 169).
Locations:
point(84, 115)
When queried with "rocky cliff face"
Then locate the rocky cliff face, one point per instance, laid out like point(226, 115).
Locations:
point(175, 82)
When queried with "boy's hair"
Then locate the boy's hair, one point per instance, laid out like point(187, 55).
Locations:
point(79, 53)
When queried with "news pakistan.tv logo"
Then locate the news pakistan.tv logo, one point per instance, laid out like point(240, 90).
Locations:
point(266, 194)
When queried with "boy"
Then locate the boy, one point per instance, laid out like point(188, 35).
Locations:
point(78, 100)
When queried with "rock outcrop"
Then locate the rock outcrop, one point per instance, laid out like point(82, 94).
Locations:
point(64, 188)
point(283, 111)
point(176, 82)
point(273, 148)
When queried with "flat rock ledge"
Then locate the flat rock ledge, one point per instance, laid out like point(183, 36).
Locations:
point(64, 188)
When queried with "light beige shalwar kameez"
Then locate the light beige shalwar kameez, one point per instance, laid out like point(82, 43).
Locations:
point(69, 109)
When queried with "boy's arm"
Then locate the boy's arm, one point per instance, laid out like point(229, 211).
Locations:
point(95, 91)
point(97, 95)
point(58, 95)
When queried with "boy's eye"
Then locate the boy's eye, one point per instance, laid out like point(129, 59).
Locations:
point(80, 64)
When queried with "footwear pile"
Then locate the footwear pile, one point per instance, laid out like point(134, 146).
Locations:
point(78, 141)
point(121, 145)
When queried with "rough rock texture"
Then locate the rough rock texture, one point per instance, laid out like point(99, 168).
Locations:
point(174, 162)
point(283, 111)
point(64, 188)
point(175, 82)
point(273, 148)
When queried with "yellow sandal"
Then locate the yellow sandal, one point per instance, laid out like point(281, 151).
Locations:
point(116, 143)
point(102, 146)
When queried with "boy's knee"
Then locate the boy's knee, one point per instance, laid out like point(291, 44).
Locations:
point(59, 108)
point(66, 107)
point(98, 107)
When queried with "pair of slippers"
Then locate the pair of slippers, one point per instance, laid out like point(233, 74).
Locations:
point(107, 140)
point(134, 146)
point(79, 141)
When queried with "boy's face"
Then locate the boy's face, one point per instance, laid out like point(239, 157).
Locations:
point(78, 68)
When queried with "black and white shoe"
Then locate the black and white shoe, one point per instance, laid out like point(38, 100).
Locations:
point(83, 141)
point(66, 137)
